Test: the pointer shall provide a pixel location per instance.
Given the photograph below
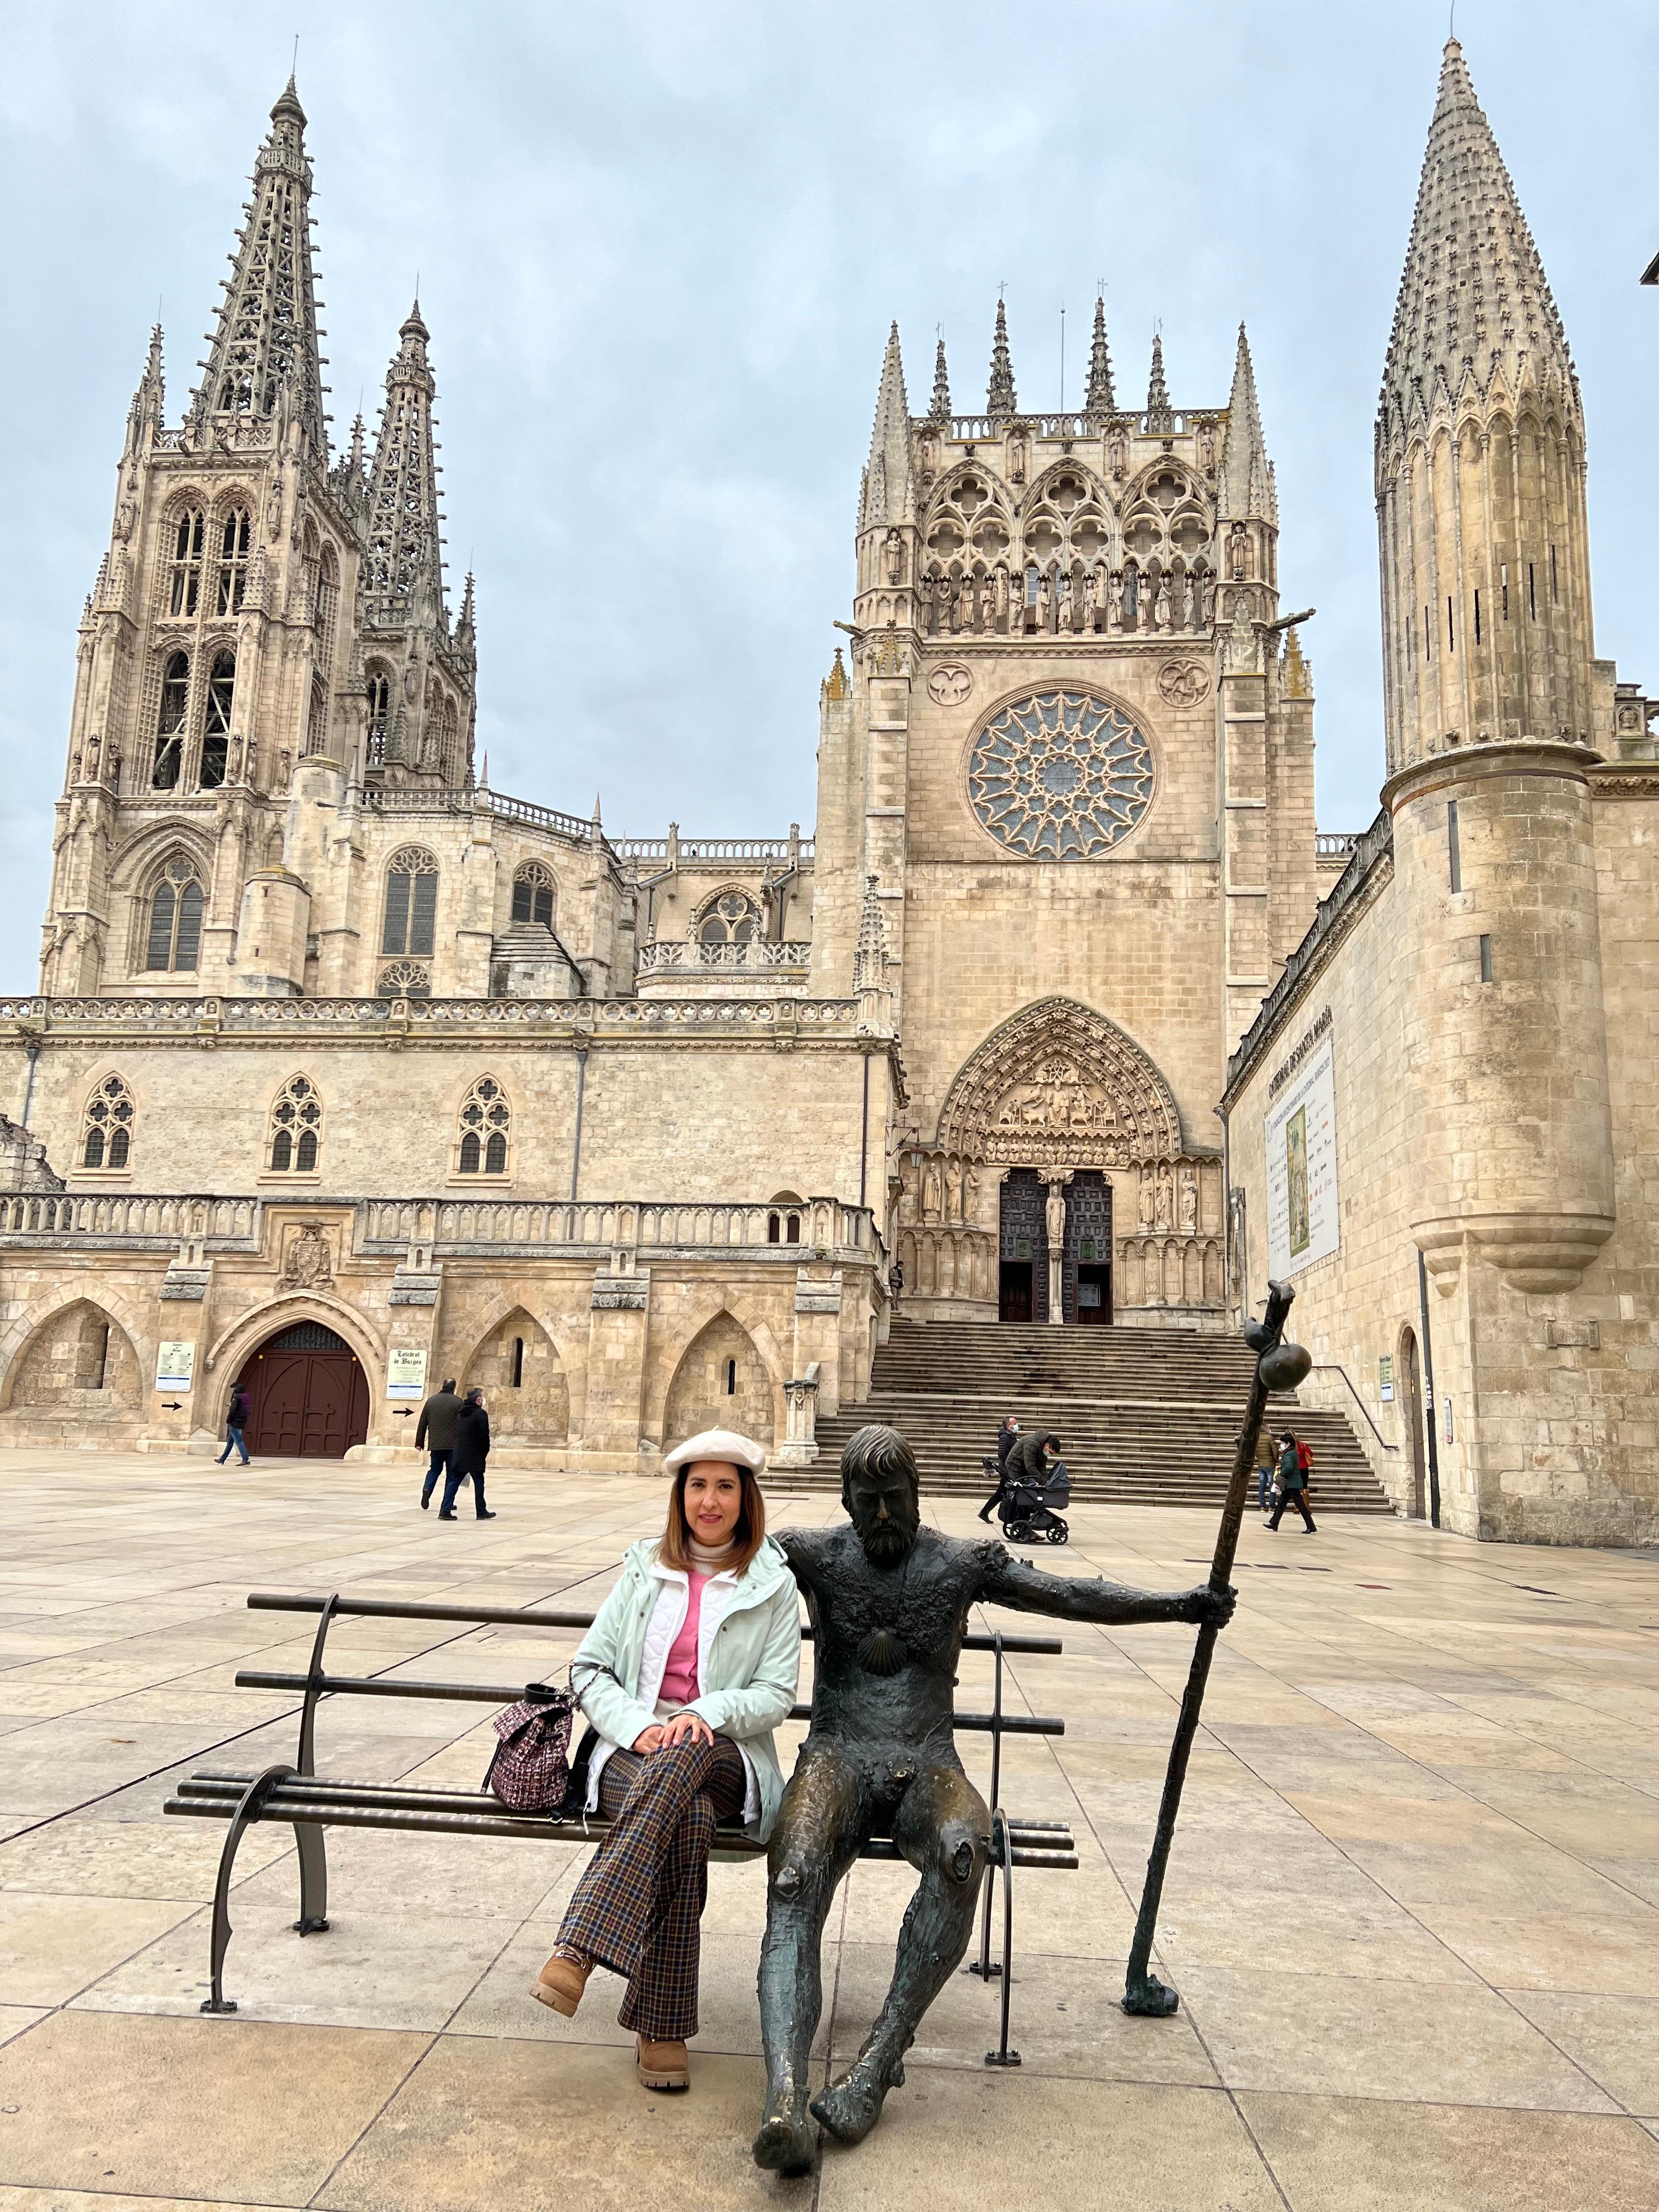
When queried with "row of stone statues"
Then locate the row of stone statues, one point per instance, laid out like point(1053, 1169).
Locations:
point(1095, 601)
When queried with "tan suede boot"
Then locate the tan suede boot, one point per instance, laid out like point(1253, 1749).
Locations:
point(661, 2065)
point(561, 1983)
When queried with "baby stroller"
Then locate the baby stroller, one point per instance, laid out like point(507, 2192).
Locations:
point(1029, 1512)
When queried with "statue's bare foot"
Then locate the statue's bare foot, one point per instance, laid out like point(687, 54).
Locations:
point(784, 2144)
point(849, 2108)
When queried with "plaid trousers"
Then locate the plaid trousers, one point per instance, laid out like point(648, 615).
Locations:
point(638, 1905)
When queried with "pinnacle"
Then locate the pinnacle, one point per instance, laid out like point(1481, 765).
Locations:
point(1245, 486)
point(1159, 412)
point(288, 105)
point(1100, 399)
point(888, 497)
point(999, 397)
point(940, 411)
point(413, 324)
point(1473, 297)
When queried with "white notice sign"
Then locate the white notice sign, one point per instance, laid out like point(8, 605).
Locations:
point(405, 1373)
point(175, 1363)
point(1301, 1131)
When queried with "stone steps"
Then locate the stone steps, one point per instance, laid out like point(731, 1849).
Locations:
point(1144, 1416)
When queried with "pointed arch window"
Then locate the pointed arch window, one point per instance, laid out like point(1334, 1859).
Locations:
point(216, 732)
point(411, 903)
point(184, 595)
point(317, 719)
point(732, 918)
point(328, 611)
point(380, 717)
point(233, 562)
point(106, 1126)
point(173, 940)
point(297, 1128)
point(170, 722)
point(533, 894)
point(485, 1125)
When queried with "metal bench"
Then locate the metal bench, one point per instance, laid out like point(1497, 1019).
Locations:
point(297, 1795)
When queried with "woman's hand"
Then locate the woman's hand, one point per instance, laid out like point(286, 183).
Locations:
point(648, 1739)
point(685, 1727)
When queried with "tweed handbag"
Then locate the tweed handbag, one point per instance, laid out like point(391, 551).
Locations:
point(530, 1769)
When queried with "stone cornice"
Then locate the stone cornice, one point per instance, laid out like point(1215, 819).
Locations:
point(1484, 763)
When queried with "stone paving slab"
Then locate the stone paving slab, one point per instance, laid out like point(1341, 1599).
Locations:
point(1410, 1910)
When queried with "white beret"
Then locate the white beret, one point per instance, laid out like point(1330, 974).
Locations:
point(716, 1444)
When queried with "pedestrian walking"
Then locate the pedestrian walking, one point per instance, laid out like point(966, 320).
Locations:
point(434, 1432)
point(1006, 1436)
point(467, 1459)
point(690, 1664)
point(1292, 1482)
point(236, 1420)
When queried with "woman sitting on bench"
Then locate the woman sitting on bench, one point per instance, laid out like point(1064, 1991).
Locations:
point(691, 1662)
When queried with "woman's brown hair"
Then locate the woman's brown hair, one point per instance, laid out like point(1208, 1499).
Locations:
point(675, 1549)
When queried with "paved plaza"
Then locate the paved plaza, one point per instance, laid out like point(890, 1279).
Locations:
point(1412, 1912)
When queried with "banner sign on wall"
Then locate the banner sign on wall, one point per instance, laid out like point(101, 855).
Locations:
point(1301, 1131)
point(175, 1365)
point(405, 1373)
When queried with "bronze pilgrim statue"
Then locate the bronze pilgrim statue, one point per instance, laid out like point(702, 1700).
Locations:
point(888, 1601)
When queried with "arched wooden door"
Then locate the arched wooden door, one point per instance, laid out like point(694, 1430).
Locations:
point(1411, 1408)
point(309, 1394)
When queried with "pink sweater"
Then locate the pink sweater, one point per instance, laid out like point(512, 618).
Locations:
point(679, 1678)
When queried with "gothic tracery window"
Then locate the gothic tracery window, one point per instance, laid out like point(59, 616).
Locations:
point(328, 611)
point(379, 716)
point(186, 591)
point(533, 894)
point(1062, 775)
point(297, 1128)
point(106, 1126)
point(173, 941)
point(733, 918)
point(216, 733)
point(411, 902)
point(233, 563)
point(170, 722)
point(486, 1121)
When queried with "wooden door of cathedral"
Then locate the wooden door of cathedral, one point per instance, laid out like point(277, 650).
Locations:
point(1023, 1271)
point(309, 1394)
point(1086, 1274)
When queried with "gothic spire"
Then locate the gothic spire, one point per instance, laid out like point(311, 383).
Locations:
point(145, 414)
point(1473, 298)
point(999, 398)
point(406, 553)
point(1244, 490)
point(1158, 414)
point(267, 331)
point(888, 495)
point(1101, 399)
point(940, 410)
point(870, 959)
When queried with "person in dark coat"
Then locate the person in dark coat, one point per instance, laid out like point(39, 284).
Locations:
point(470, 1452)
point(1292, 1484)
point(435, 1432)
point(236, 1420)
point(1031, 1461)
point(1008, 1436)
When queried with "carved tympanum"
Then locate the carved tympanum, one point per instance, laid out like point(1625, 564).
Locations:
point(1058, 1086)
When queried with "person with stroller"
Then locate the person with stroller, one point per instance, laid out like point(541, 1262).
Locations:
point(1007, 1437)
point(1033, 1482)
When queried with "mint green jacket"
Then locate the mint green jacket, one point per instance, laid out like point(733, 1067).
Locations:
point(749, 1670)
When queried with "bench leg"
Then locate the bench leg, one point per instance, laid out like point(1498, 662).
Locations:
point(985, 1966)
point(1002, 2055)
point(246, 1813)
point(314, 1878)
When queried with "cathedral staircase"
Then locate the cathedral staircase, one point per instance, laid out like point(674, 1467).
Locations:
point(1145, 1417)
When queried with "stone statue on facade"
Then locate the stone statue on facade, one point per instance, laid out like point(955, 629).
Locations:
point(1054, 1217)
point(1148, 1198)
point(1066, 601)
point(888, 1601)
point(1190, 602)
point(986, 601)
point(1161, 610)
point(953, 1190)
point(893, 555)
point(1189, 1204)
point(1238, 551)
point(1044, 601)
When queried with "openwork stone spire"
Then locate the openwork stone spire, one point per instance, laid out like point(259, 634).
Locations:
point(1159, 415)
point(1473, 298)
point(1102, 399)
point(870, 961)
point(999, 399)
point(405, 574)
point(267, 332)
point(889, 493)
point(940, 411)
point(1245, 492)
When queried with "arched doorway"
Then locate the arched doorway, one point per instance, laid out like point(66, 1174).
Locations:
point(309, 1396)
point(1411, 1410)
point(1022, 1264)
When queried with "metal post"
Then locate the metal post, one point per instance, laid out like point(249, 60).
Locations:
point(1002, 2055)
point(1428, 1392)
point(984, 1965)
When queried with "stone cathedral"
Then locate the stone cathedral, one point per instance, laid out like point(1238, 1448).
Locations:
point(348, 1072)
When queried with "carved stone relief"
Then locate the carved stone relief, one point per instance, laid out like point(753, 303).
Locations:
point(1182, 683)
point(949, 685)
point(1061, 1086)
point(307, 1258)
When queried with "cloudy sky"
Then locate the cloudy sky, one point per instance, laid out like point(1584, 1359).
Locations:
point(659, 243)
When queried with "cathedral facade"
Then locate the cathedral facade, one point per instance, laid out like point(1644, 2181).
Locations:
point(348, 1072)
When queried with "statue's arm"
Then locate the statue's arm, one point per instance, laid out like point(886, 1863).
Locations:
point(1007, 1581)
point(800, 1547)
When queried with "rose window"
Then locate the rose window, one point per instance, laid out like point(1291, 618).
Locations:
point(1060, 777)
